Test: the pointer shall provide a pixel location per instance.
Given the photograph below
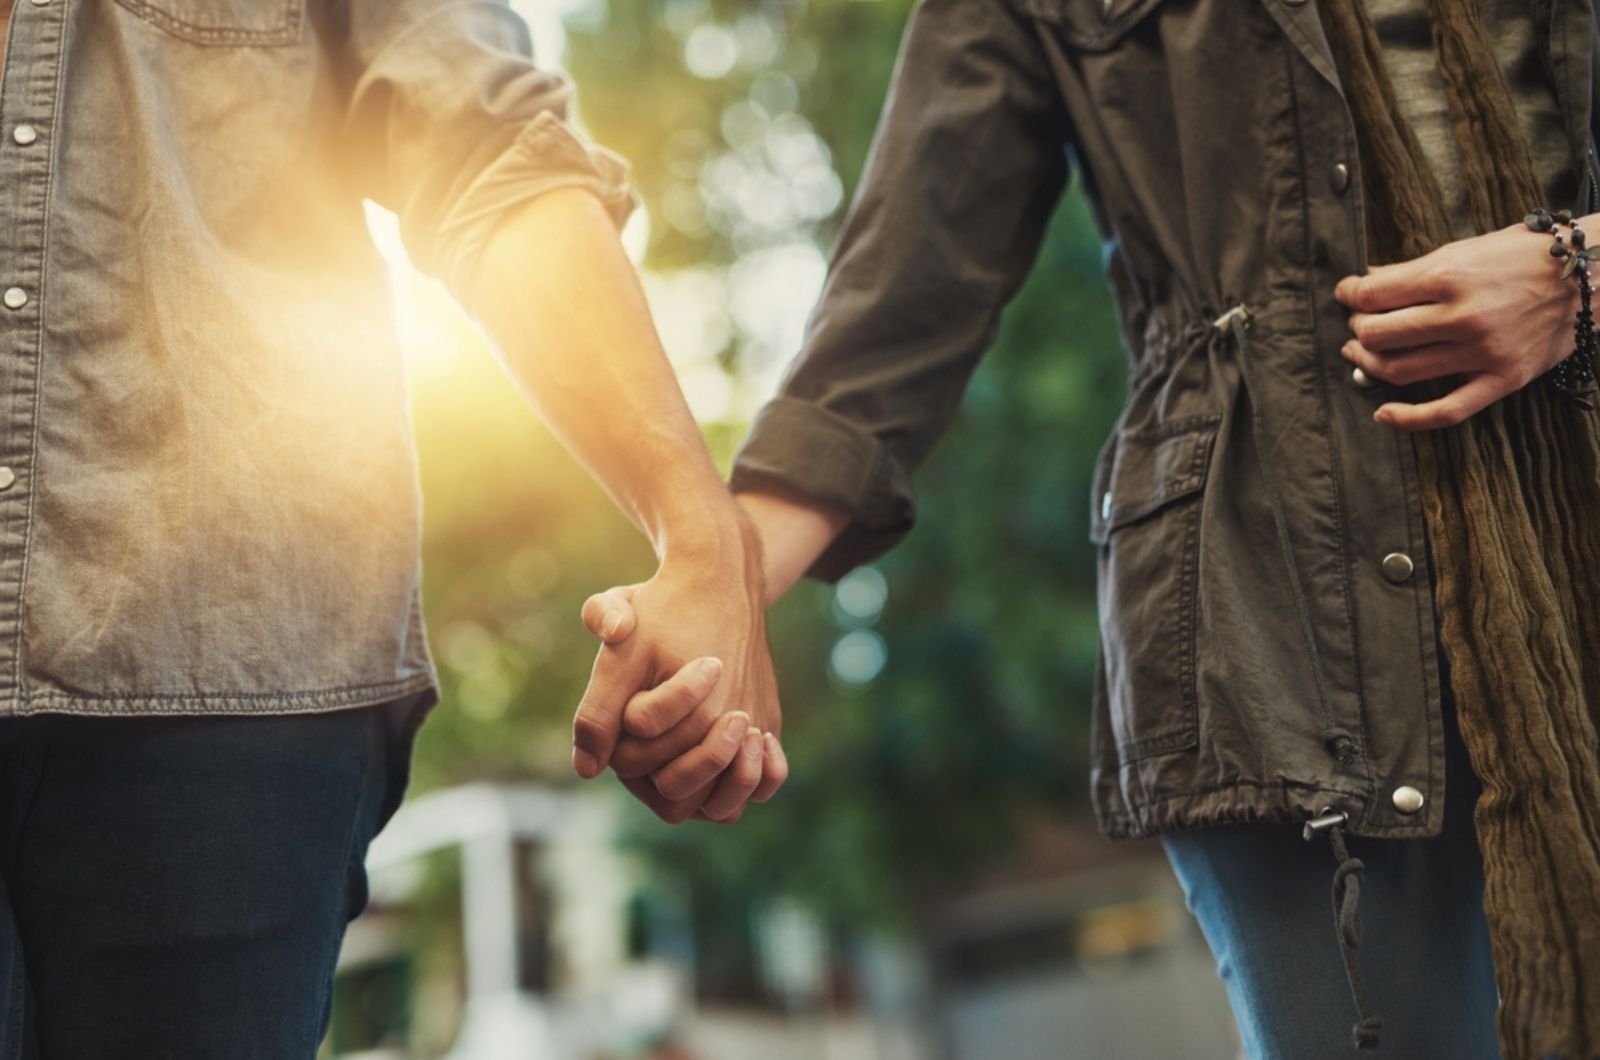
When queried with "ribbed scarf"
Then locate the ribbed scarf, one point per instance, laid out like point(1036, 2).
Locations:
point(1511, 499)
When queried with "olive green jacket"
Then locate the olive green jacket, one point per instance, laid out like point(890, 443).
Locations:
point(1268, 636)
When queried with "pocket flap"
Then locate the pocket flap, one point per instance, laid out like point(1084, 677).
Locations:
point(1143, 471)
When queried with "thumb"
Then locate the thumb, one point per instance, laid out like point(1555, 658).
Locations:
point(610, 615)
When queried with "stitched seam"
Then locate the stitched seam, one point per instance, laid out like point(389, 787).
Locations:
point(1172, 428)
point(51, 167)
point(1261, 784)
point(218, 703)
point(286, 33)
point(1341, 515)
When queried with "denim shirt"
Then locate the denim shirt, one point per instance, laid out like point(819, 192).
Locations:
point(1268, 637)
point(208, 498)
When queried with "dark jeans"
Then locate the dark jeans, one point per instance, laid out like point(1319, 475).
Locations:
point(1262, 896)
point(179, 886)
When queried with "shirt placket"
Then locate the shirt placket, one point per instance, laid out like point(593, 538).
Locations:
point(30, 107)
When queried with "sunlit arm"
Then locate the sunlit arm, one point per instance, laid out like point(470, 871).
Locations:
point(564, 308)
point(565, 311)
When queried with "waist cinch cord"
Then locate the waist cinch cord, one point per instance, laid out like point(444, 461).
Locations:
point(1235, 323)
point(1347, 919)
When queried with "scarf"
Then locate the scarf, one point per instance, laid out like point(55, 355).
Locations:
point(1510, 498)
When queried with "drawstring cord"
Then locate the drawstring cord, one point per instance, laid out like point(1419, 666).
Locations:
point(1347, 921)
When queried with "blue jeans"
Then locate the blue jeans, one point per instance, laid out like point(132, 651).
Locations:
point(1262, 896)
point(179, 886)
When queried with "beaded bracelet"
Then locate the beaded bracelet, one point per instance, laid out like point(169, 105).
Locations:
point(1574, 376)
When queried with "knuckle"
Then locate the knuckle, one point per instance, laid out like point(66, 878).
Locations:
point(1446, 274)
point(628, 764)
point(645, 719)
point(1472, 319)
point(588, 730)
point(675, 785)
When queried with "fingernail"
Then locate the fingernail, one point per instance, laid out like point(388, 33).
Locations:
point(773, 747)
point(737, 727)
point(752, 744)
point(710, 669)
point(613, 621)
point(585, 764)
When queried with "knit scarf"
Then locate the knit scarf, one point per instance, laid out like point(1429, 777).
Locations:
point(1510, 498)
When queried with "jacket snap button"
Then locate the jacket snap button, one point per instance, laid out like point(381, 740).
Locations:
point(1362, 379)
point(1407, 800)
point(1105, 505)
point(1341, 177)
point(1397, 566)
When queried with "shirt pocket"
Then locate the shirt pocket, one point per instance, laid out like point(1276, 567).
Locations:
point(1146, 520)
point(224, 22)
point(1091, 25)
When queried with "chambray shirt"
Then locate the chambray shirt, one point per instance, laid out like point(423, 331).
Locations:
point(208, 498)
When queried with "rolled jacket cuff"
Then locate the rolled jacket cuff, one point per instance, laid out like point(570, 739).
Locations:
point(799, 447)
point(547, 154)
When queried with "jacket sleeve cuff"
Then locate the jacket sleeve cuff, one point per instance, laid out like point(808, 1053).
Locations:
point(547, 154)
point(798, 447)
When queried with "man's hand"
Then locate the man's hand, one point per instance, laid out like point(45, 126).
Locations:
point(687, 739)
point(1492, 309)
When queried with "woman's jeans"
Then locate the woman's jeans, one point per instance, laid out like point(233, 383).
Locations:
point(179, 886)
point(1262, 895)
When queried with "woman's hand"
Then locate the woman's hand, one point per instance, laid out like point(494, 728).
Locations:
point(1492, 309)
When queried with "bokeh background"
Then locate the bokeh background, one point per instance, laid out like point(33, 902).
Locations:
point(929, 883)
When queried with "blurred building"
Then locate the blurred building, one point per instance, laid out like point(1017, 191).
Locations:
point(506, 922)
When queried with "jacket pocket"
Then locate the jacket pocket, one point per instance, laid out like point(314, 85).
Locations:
point(1146, 520)
point(1092, 25)
point(224, 22)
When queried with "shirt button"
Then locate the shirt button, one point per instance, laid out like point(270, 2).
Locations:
point(1362, 379)
point(1408, 800)
point(14, 298)
point(1340, 177)
point(7, 477)
point(24, 134)
point(1397, 566)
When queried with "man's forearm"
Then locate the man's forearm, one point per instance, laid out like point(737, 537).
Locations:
point(564, 308)
point(794, 531)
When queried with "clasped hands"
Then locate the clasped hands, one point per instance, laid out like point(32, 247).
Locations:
point(683, 703)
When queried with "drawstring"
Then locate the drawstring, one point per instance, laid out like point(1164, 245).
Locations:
point(1347, 921)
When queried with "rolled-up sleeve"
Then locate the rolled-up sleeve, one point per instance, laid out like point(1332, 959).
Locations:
point(968, 161)
point(449, 123)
